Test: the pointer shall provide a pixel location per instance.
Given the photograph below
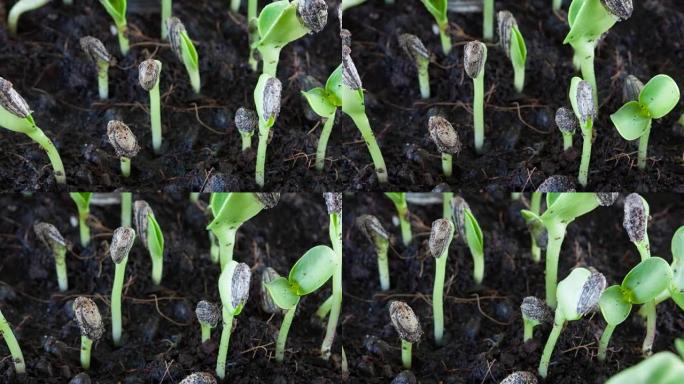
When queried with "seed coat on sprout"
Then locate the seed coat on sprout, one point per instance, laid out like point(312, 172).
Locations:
point(407, 325)
point(125, 144)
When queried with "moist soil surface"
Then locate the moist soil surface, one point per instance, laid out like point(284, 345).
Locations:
point(201, 148)
point(162, 337)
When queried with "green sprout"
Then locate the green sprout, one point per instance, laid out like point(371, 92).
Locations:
point(97, 53)
point(82, 200)
point(15, 115)
point(246, 122)
point(267, 101)
point(185, 51)
point(122, 242)
point(407, 325)
point(446, 139)
point(640, 286)
point(282, 22)
point(399, 201)
point(166, 11)
point(208, 315)
point(567, 123)
point(633, 120)
point(53, 240)
point(440, 237)
point(488, 19)
point(420, 55)
point(126, 208)
point(149, 73)
point(18, 9)
point(117, 11)
point(12, 345)
point(333, 203)
point(151, 236)
point(376, 235)
point(661, 368)
point(235, 5)
point(125, 144)
point(513, 44)
point(583, 104)
point(562, 210)
point(589, 20)
point(199, 378)
point(325, 101)
point(578, 294)
point(534, 312)
point(353, 104)
point(307, 275)
point(90, 322)
point(535, 207)
point(438, 10)
point(234, 290)
point(469, 233)
point(475, 58)
point(230, 211)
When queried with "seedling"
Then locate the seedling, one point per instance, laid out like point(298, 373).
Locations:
point(636, 223)
point(640, 286)
point(567, 123)
point(446, 139)
point(583, 103)
point(438, 10)
point(53, 240)
point(633, 120)
point(166, 10)
point(90, 322)
point(440, 237)
point(534, 312)
point(12, 345)
point(267, 305)
point(399, 200)
point(420, 55)
point(324, 101)
point(199, 378)
point(15, 115)
point(122, 242)
point(333, 203)
point(513, 44)
point(234, 290)
point(488, 19)
point(208, 315)
point(117, 11)
point(148, 76)
point(231, 210)
point(151, 235)
point(520, 377)
point(267, 101)
point(18, 9)
point(82, 200)
point(97, 53)
point(376, 234)
point(469, 233)
point(537, 244)
point(661, 368)
point(578, 294)
point(282, 22)
point(125, 144)
point(406, 324)
point(246, 122)
point(185, 51)
point(589, 20)
point(353, 104)
point(308, 274)
point(562, 209)
point(475, 58)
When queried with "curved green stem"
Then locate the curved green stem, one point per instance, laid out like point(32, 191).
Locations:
point(12, 345)
point(535, 207)
point(643, 146)
point(605, 339)
point(86, 346)
point(558, 324)
point(214, 248)
point(18, 9)
point(586, 61)
point(587, 136)
point(362, 123)
point(155, 118)
point(438, 298)
point(444, 38)
point(223, 346)
point(556, 236)
point(126, 199)
point(83, 226)
point(324, 308)
point(206, 333)
point(647, 346)
point(528, 330)
point(404, 223)
point(270, 56)
point(406, 354)
point(478, 111)
point(447, 164)
point(117, 290)
point(261, 154)
point(335, 232)
point(39, 137)
point(103, 79)
point(424, 78)
point(61, 269)
point(125, 166)
point(166, 6)
point(282, 334)
point(123, 40)
point(323, 141)
point(383, 268)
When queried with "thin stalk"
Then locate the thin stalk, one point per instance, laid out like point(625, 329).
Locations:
point(644, 249)
point(235, 5)
point(226, 240)
point(165, 15)
point(446, 205)
point(246, 141)
point(86, 346)
point(335, 232)
point(282, 334)
point(12, 345)
point(261, 154)
point(647, 346)
point(155, 118)
point(424, 78)
point(535, 207)
point(362, 123)
point(447, 164)
point(323, 141)
point(195, 82)
point(557, 4)
point(406, 354)
point(39, 137)
point(18, 9)
point(214, 248)
point(556, 237)
point(252, 9)
point(206, 333)
point(404, 223)
point(605, 339)
point(117, 288)
point(125, 166)
point(103, 79)
point(270, 56)
point(383, 268)
point(586, 60)
point(126, 198)
point(223, 346)
point(518, 78)
point(83, 226)
point(478, 267)
point(567, 141)
point(478, 111)
point(528, 331)
point(558, 324)
point(587, 136)
point(324, 308)
point(643, 147)
point(157, 268)
point(488, 20)
point(444, 38)
point(438, 298)
point(123, 40)
point(61, 269)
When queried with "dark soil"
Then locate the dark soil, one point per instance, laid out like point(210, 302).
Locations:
point(200, 140)
point(161, 336)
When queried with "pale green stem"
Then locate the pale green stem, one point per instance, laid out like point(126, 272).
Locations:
point(61, 269)
point(157, 268)
point(261, 154)
point(83, 226)
point(478, 111)
point(123, 40)
point(444, 38)
point(478, 267)
point(335, 232)
point(567, 141)
point(519, 78)
point(324, 308)
point(404, 223)
point(282, 334)
point(558, 324)
point(586, 59)
point(528, 330)
point(424, 78)
point(246, 141)
point(86, 346)
point(644, 248)
point(535, 207)
point(126, 199)
point(166, 6)
point(605, 339)
point(195, 81)
point(39, 137)
point(647, 346)
point(223, 346)
point(226, 240)
point(323, 141)
point(194, 197)
point(235, 5)
point(643, 146)
point(12, 345)
point(206, 333)
point(587, 136)
point(446, 205)
point(488, 20)
point(383, 268)
point(252, 9)
point(556, 233)
point(362, 123)
point(406, 354)
point(270, 57)
point(557, 4)
point(447, 162)
point(18, 9)
point(103, 79)
point(117, 290)
point(125, 166)
point(214, 248)
point(438, 298)
point(155, 118)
